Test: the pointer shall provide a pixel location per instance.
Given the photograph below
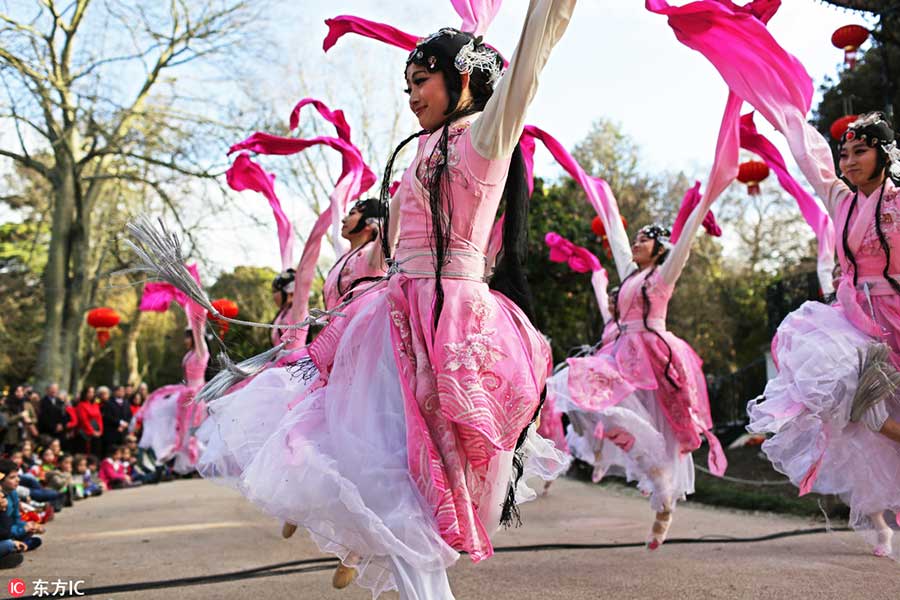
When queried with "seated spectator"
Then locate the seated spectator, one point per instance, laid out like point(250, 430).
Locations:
point(28, 458)
point(83, 481)
point(36, 491)
point(142, 462)
point(19, 529)
point(112, 471)
point(10, 550)
point(59, 477)
point(129, 461)
point(57, 449)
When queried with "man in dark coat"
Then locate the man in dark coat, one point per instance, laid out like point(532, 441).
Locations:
point(52, 416)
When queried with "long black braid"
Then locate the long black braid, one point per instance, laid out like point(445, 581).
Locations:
point(884, 244)
point(847, 252)
point(384, 195)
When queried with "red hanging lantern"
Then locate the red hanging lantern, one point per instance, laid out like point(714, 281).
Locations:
point(849, 38)
point(839, 127)
point(226, 308)
point(597, 227)
point(752, 172)
point(600, 231)
point(103, 319)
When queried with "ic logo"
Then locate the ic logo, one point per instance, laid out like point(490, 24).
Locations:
point(16, 588)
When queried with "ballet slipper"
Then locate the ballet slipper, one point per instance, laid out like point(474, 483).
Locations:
point(288, 529)
point(884, 535)
point(659, 530)
point(344, 575)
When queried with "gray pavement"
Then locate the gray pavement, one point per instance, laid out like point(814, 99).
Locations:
point(192, 528)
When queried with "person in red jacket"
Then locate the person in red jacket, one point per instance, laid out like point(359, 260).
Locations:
point(69, 437)
point(112, 471)
point(90, 422)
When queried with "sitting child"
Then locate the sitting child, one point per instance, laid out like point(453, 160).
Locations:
point(112, 471)
point(10, 550)
point(82, 480)
point(19, 530)
point(36, 491)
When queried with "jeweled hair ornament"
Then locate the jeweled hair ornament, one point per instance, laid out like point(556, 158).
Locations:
point(658, 233)
point(474, 54)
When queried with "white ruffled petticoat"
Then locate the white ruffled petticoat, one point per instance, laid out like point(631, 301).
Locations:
point(336, 463)
point(655, 461)
point(158, 425)
point(806, 408)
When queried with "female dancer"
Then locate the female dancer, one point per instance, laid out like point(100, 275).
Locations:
point(833, 407)
point(169, 416)
point(639, 404)
point(401, 453)
point(242, 420)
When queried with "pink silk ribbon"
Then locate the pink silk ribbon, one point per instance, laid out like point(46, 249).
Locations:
point(813, 212)
point(688, 203)
point(245, 174)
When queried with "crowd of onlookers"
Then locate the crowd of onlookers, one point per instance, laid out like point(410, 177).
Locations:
point(57, 451)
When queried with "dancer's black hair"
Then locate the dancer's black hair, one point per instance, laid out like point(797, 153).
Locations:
point(281, 283)
point(660, 253)
point(874, 129)
point(367, 209)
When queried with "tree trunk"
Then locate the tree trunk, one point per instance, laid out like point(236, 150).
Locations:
point(52, 363)
point(132, 360)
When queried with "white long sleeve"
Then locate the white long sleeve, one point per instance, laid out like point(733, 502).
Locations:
point(496, 132)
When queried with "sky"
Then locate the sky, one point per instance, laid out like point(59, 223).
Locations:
point(616, 61)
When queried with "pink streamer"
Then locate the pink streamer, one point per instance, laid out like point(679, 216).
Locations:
point(356, 177)
point(813, 212)
point(245, 174)
point(688, 203)
point(477, 15)
point(579, 258)
point(598, 191)
point(340, 26)
point(335, 117)
point(344, 24)
point(158, 296)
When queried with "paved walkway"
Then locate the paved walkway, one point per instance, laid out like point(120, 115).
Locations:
point(194, 528)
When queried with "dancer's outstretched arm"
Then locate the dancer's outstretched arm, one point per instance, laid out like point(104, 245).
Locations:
point(671, 269)
point(496, 132)
point(813, 155)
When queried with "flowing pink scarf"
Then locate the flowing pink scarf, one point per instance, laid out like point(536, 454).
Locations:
point(688, 204)
point(813, 212)
point(581, 260)
point(477, 16)
point(356, 177)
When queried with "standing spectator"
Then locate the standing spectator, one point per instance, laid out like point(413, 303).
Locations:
point(68, 438)
point(129, 391)
point(116, 416)
point(137, 401)
point(17, 419)
point(52, 413)
point(19, 529)
point(90, 421)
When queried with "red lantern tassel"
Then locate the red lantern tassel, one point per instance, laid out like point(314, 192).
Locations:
point(103, 337)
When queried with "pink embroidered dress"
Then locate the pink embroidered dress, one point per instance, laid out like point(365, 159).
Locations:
point(806, 407)
point(169, 415)
point(242, 420)
point(400, 455)
point(638, 406)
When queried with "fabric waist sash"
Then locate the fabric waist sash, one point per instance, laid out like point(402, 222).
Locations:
point(877, 284)
point(418, 263)
point(637, 326)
